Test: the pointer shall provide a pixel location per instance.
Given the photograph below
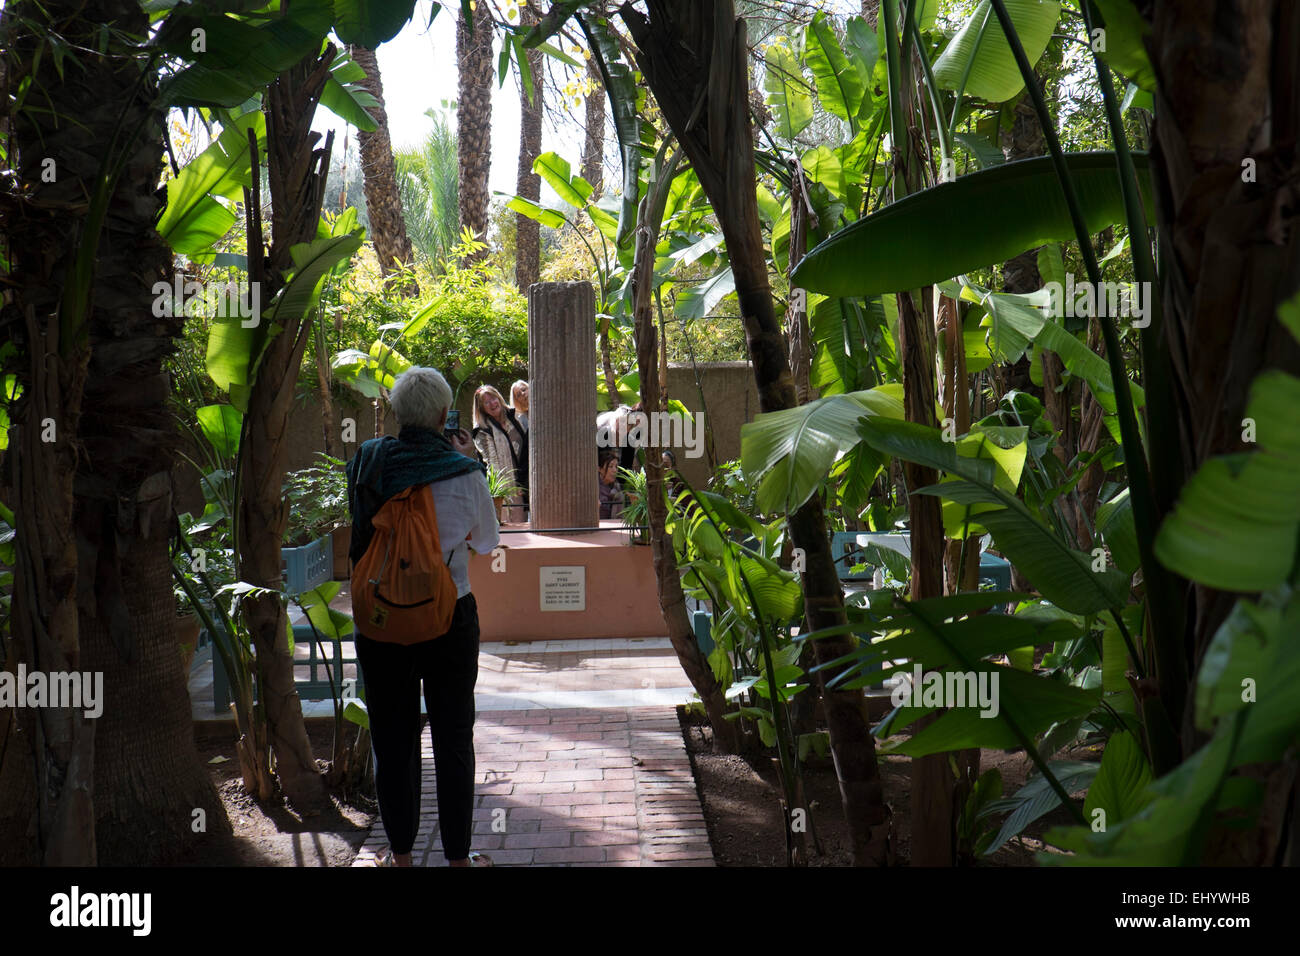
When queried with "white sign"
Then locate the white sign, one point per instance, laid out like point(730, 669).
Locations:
point(564, 588)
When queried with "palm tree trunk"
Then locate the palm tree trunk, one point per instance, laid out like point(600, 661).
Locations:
point(593, 147)
point(692, 54)
point(52, 211)
point(383, 204)
point(528, 183)
point(474, 119)
point(149, 780)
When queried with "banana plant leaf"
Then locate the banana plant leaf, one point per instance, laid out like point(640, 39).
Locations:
point(369, 23)
point(982, 218)
point(235, 348)
point(1235, 524)
point(979, 59)
point(346, 97)
point(193, 219)
point(840, 87)
point(792, 450)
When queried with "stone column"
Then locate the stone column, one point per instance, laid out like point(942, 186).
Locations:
point(562, 406)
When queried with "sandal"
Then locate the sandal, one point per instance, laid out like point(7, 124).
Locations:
point(480, 859)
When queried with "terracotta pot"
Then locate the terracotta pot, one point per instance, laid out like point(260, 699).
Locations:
point(500, 506)
point(187, 639)
point(342, 541)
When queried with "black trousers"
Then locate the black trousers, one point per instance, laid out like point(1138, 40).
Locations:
point(448, 665)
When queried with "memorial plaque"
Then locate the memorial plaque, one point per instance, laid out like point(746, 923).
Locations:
point(563, 588)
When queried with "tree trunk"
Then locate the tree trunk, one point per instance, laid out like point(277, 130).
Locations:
point(694, 57)
point(50, 211)
point(593, 147)
point(383, 203)
point(529, 183)
point(149, 780)
point(1229, 93)
point(296, 172)
point(474, 119)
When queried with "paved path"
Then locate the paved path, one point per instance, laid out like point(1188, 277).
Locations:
point(580, 761)
point(579, 756)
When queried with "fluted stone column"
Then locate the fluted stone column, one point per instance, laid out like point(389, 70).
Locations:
point(562, 406)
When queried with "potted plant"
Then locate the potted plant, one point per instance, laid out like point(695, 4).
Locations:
point(318, 508)
point(187, 627)
point(502, 487)
point(635, 515)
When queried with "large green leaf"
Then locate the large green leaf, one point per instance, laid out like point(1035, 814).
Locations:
point(787, 91)
point(526, 207)
point(839, 84)
point(1063, 574)
point(980, 55)
point(625, 100)
point(1235, 524)
point(792, 450)
point(221, 425)
point(1124, 35)
point(1033, 703)
point(369, 23)
point(699, 301)
point(558, 174)
point(237, 57)
point(1115, 524)
point(345, 95)
point(1037, 797)
point(235, 348)
point(1120, 789)
point(982, 218)
point(193, 219)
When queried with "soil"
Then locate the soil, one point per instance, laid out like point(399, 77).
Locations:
point(740, 796)
point(272, 833)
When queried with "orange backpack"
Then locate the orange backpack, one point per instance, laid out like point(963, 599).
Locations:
point(402, 592)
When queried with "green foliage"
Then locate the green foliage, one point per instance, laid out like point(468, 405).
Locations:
point(462, 323)
point(982, 218)
point(318, 500)
point(979, 60)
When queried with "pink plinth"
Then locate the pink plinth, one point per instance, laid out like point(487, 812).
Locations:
point(621, 594)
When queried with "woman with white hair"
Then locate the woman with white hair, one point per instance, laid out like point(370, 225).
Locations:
point(447, 663)
point(503, 444)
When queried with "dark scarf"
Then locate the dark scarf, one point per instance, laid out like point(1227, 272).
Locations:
point(382, 467)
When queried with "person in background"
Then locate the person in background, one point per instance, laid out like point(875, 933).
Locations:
point(612, 499)
point(422, 453)
point(519, 402)
point(502, 444)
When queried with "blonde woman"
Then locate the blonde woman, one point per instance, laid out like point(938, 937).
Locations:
point(519, 402)
point(503, 444)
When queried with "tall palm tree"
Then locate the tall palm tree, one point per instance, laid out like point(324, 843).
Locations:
point(383, 202)
point(115, 613)
point(474, 118)
point(529, 184)
point(427, 182)
point(593, 146)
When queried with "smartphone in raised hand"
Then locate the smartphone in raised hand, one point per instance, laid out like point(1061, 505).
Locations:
point(453, 421)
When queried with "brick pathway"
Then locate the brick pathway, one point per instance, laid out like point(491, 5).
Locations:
point(574, 786)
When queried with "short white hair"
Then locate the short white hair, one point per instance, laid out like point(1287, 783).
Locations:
point(419, 397)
